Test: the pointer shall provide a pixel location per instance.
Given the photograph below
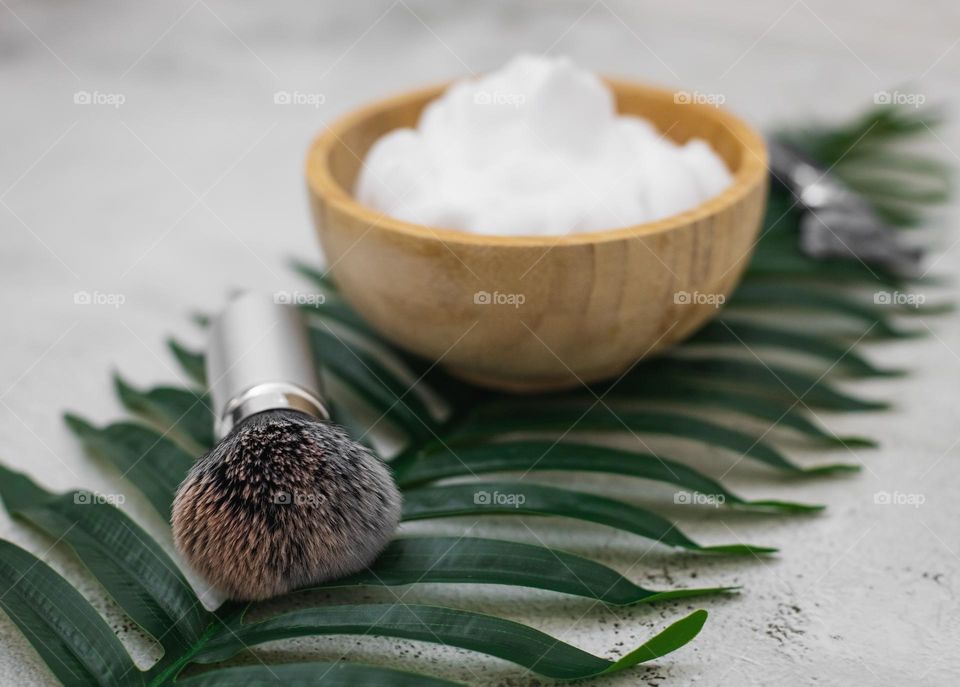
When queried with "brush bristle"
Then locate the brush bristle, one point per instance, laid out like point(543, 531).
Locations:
point(282, 502)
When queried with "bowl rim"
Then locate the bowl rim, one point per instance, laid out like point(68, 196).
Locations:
point(321, 182)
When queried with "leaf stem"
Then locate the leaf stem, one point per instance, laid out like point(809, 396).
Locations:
point(167, 675)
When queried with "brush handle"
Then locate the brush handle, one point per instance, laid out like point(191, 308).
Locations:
point(259, 359)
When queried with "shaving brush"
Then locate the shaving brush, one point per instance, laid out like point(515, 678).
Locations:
point(286, 498)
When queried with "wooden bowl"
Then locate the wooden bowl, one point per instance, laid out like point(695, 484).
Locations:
point(592, 304)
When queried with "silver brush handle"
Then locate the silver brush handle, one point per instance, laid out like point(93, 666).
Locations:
point(258, 359)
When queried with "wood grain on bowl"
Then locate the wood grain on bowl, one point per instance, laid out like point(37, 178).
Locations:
point(527, 313)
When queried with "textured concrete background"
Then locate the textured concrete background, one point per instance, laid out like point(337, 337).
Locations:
point(193, 186)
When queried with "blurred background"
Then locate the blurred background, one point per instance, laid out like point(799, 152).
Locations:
point(153, 160)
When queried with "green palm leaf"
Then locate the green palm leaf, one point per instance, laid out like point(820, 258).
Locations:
point(690, 392)
point(496, 420)
point(184, 412)
point(751, 296)
point(528, 456)
point(133, 569)
point(745, 334)
point(373, 382)
point(71, 638)
point(493, 636)
point(315, 674)
point(777, 381)
point(190, 362)
point(471, 560)
point(477, 499)
point(151, 461)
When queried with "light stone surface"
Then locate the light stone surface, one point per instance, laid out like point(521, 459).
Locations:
point(194, 186)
